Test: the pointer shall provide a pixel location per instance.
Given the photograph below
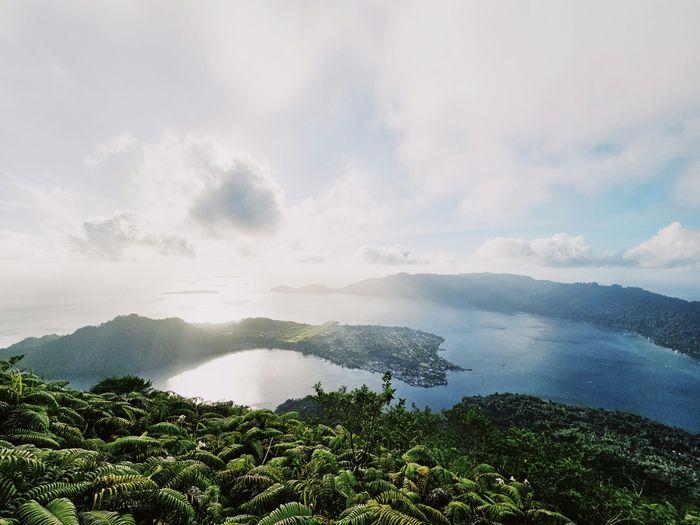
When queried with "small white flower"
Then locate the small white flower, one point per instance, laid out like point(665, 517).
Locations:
point(512, 478)
point(202, 444)
point(500, 481)
point(526, 481)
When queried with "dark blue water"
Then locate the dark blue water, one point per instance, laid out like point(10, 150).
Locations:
point(559, 360)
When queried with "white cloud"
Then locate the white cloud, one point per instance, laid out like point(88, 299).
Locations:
point(20, 246)
point(124, 235)
point(503, 104)
point(312, 259)
point(490, 110)
point(672, 246)
point(390, 256)
point(113, 146)
point(559, 250)
point(337, 217)
point(175, 245)
point(273, 54)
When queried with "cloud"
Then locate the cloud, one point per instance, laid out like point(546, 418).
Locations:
point(270, 55)
point(191, 292)
point(175, 246)
point(672, 246)
point(503, 106)
point(190, 180)
point(559, 250)
point(312, 259)
point(462, 113)
point(124, 234)
point(17, 246)
point(113, 146)
point(338, 217)
point(390, 256)
point(239, 193)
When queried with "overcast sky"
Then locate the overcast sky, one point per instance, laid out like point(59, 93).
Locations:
point(298, 142)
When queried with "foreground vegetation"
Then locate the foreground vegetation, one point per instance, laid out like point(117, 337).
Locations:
point(125, 454)
point(122, 457)
point(593, 465)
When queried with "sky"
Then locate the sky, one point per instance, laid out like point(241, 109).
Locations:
point(148, 144)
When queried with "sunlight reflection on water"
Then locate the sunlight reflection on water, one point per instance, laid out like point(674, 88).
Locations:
point(560, 360)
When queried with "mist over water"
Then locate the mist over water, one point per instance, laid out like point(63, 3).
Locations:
point(560, 360)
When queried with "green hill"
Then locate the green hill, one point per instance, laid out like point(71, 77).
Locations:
point(139, 345)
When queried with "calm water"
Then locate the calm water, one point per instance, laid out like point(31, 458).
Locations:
point(559, 360)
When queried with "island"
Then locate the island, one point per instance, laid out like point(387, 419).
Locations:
point(133, 344)
point(666, 321)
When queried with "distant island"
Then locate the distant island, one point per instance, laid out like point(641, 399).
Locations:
point(666, 321)
point(138, 345)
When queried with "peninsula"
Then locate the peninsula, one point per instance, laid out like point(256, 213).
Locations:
point(138, 345)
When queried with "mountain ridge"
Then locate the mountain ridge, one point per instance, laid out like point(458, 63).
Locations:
point(667, 321)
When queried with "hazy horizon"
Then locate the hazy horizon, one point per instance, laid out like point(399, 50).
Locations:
point(144, 146)
point(215, 299)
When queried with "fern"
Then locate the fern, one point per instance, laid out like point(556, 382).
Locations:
point(165, 428)
point(64, 510)
point(57, 512)
point(58, 489)
point(267, 498)
point(173, 506)
point(189, 476)
point(19, 460)
point(547, 517)
point(420, 454)
point(62, 464)
point(43, 398)
point(287, 514)
point(100, 517)
point(21, 436)
point(386, 515)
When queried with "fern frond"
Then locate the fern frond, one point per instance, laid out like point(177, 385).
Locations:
point(287, 514)
point(21, 436)
point(58, 489)
point(57, 512)
point(102, 517)
point(173, 506)
point(267, 498)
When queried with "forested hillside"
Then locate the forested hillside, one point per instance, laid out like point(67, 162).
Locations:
point(592, 464)
point(125, 454)
point(133, 344)
point(668, 321)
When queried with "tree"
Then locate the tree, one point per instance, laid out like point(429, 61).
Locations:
point(358, 412)
point(122, 385)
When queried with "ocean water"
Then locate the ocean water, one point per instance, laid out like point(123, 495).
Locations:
point(560, 360)
point(564, 361)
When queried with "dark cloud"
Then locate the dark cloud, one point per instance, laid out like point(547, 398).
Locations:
point(241, 195)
